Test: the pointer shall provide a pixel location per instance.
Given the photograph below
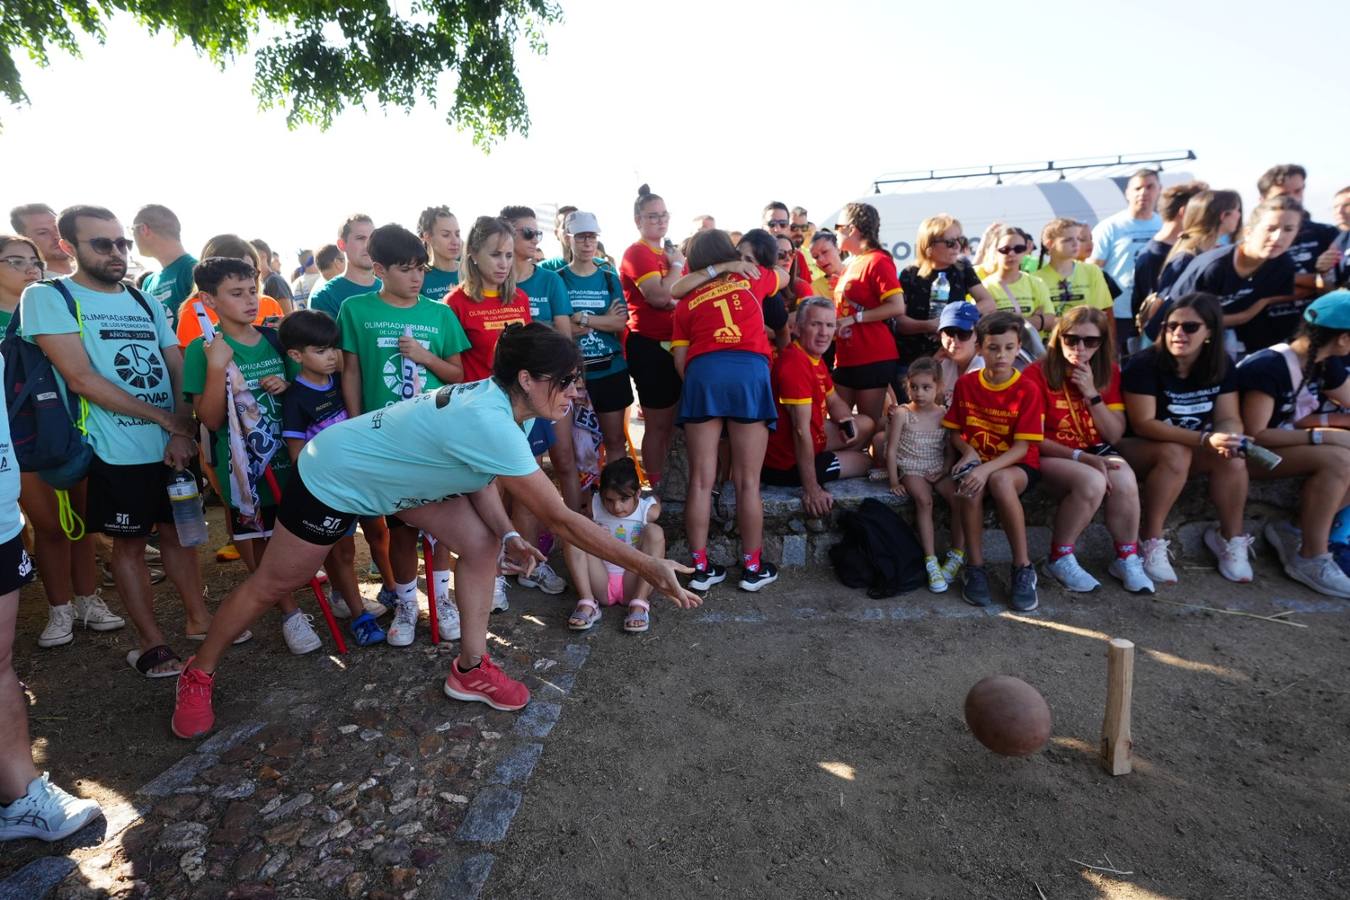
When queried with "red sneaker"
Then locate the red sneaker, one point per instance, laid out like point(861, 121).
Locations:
point(192, 715)
point(488, 684)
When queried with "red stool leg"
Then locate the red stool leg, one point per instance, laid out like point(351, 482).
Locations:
point(431, 590)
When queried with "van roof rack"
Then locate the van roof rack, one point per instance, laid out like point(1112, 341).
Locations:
point(1037, 171)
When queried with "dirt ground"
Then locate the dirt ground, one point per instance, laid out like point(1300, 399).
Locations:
point(809, 742)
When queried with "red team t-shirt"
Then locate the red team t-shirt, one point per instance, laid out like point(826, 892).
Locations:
point(798, 379)
point(640, 262)
point(483, 324)
point(869, 280)
point(990, 417)
point(1068, 417)
point(725, 314)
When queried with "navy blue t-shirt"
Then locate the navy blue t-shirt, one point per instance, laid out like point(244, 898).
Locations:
point(1267, 371)
point(919, 305)
point(1312, 240)
point(1148, 265)
point(1212, 272)
point(1183, 402)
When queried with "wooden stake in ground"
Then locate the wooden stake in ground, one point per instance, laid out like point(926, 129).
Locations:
point(1117, 746)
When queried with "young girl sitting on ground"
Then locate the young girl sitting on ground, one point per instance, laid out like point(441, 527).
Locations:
point(917, 463)
point(629, 518)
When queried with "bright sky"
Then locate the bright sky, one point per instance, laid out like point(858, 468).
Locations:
point(720, 106)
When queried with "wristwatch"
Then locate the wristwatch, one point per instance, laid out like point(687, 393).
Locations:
point(585, 318)
point(1095, 400)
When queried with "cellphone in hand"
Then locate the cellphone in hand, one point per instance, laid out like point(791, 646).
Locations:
point(850, 428)
point(964, 470)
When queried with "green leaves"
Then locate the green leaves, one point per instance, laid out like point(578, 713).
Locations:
point(325, 56)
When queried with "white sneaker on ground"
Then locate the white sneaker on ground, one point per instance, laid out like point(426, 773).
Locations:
point(299, 633)
point(1157, 565)
point(1321, 573)
point(46, 812)
point(403, 629)
point(1073, 576)
point(338, 604)
point(1130, 571)
point(499, 601)
point(94, 614)
point(1286, 540)
point(543, 578)
point(1234, 554)
point(447, 619)
point(60, 628)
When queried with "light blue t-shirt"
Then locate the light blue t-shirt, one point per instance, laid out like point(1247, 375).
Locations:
point(1117, 240)
point(125, 347)
point(11, 520)
point(548, 297)
point(438, 283)
point(329, 297)
point(451, 441)
point(595, 293)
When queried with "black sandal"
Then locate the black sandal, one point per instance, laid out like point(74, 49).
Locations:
point(155, 656)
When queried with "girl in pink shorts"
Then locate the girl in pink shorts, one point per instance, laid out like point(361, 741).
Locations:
point(631, 518)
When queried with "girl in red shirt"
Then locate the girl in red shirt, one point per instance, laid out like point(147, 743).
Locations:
point(487, 299)
point(723, 354)
point(867, 296)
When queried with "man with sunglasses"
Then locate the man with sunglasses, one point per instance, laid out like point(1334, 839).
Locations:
point(158, 235)
point(37, 222)
point(122, 357)
point(778, 222)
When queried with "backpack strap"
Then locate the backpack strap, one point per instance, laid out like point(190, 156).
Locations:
point(273, 337)
point(140, 298)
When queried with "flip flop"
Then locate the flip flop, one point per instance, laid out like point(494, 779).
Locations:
point(580, 620)
point(242, 639)
point(155, 656)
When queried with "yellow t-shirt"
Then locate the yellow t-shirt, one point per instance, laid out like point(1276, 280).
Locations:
point(1026, 296)
point(1085, 287)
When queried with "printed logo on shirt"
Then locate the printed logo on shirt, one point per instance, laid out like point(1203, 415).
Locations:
point(138, 367)
point(25, 564)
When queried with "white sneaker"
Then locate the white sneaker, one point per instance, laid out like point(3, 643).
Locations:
point(300, 636)
point(447, 619)
point(1157, 565)
point(46, 812)
point(1130, 571)
point(544, 579)
point(1234, 555)
point(1069, 573)
point(499, 601)
point(1286, 540)
point(60, 626)
point(403, 629)
point(94, 614)
point(1321, 573)
point(338, 604)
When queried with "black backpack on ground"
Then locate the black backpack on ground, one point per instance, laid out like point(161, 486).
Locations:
point(878, 552)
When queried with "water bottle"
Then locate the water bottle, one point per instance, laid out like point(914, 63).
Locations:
point(942, 292)
point(187, 509)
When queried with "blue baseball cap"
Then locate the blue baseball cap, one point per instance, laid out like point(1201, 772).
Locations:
point(1330, 310)
point(961, 315)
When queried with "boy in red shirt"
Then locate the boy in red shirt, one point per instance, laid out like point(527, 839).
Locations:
point(998, 422)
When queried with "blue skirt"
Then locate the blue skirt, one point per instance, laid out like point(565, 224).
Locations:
point(728, 384)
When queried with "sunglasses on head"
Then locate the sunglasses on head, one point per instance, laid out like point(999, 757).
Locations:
point(105, 246)
point(949, 243)
point(1089, 341)
point(961, 334)
point(1013, 248)
point(531, 234)
point(777, 223)
point(1188, 327)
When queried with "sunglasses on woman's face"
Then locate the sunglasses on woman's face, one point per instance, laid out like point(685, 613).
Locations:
point(564, 382)
point(784, 255)
point(1188, 327)
point(949, 243)
point(1013, 248)
point(1089, 341)
point(961, 334)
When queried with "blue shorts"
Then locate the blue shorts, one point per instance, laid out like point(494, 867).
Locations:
point(728, 384)
point(542, 436)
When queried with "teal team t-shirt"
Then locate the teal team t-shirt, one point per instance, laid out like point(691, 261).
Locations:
point(434, 446)
point(255, 363)
point(595, 293)
point(172, 284)
point(371, 329)
point(330, 297)
point(11, 520)
point(125, 347)
point(438, 284)
point(548, 297)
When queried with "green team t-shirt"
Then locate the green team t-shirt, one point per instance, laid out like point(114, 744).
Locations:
point(371, 329)
point(172, 284)
point(548, 297)
point(126, 347)
point(334, 292)
point(5, 316)
point(438, 283)
point(255, 363)
point(435, 446)
point(595, 293)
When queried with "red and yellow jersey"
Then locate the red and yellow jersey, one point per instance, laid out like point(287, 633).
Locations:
point(991, 416)
point(642, 261)
point(727, 313)
point(868, 281)
point(798, 379)
point(483, 323)
point(1068, 417)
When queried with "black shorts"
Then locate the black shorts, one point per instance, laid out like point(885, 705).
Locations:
point(244, 531)
point(1033, 476)
point(127, 501)
point(309, 518)
point(653, 371)
point(16, 566)
point(827, 469)
point(868, 376)
point(610, 393)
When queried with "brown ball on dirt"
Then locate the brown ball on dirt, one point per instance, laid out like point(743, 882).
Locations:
point(1008, 715)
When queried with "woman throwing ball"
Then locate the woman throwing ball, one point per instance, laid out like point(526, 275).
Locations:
point(439, 461)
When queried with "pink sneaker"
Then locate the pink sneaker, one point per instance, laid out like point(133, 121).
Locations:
point(192, 714)
point(487, 684)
